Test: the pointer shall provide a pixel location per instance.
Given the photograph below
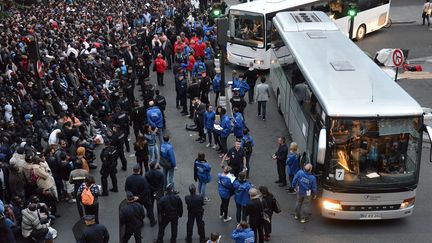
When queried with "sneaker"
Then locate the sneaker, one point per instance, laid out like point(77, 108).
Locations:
point(258, 115)
point(302, 221)
point(214, 146)
point(227, 219)
point(264, 119)
point(208, 145)
point(221, 216)
point(296, 217)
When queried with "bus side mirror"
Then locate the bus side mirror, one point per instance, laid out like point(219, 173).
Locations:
point(322, 145)
point(429, 132)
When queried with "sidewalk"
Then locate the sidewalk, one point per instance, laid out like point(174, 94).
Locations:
point(406, 14)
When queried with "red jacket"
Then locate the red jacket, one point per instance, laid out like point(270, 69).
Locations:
point(160, 65)
point(191, 63)
point(199, 49)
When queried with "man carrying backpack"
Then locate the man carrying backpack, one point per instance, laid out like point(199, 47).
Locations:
point(247, 144)
point(88, 193)
point(109, 156)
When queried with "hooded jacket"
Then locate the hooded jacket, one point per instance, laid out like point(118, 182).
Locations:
point(242, 192)
point(242, 235)
point(80, 152)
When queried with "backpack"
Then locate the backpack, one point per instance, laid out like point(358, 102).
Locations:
point(87, 197)
point(247, 146)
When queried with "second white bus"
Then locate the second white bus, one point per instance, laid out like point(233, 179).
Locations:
point(250, 24)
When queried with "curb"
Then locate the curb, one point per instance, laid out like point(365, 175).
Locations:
point(404, 22)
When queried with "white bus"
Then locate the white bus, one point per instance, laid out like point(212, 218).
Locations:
point(360, 130)
point(250, 24)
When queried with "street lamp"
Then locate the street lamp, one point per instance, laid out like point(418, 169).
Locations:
point(352, 12)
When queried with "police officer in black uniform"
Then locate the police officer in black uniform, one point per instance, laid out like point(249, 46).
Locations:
point(193, 91)
point(118, 138)
point(171, 208)
point(139, 186)
point(94, 233)
point(137, 118)
point(195, 208)
point(237, 101)
point(155, 178)
point(132, 216)
point(148, 91)
point(182, 87)
point(161, 102)
point(199, 110)
point(109, 156)
point(122, 119)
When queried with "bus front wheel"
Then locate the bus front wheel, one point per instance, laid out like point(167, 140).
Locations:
point(361, 32)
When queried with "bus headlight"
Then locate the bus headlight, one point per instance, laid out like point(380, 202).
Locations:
point(331, 205)
point(407, 203)
point(259, 62)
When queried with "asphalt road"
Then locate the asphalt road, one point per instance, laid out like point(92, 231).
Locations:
point(263, 172)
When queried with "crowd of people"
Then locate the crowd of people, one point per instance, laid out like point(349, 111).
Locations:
point(96, 57)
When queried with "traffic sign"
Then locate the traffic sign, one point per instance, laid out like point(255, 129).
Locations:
point(398, 57)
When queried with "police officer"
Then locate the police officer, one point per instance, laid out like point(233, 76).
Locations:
point(132, 216)
point(118, 138)
point(138, 186)
point(148, 91)
point(182, 87)
point(193, 91)
point(200, 109)
point(155, 178)
point(195, 208)
point(94, 233)
point(121, 118)
point(109, 156)
point(238, 101)
point(171, 208)
point(137, 118)
point(124, 102)
point(161, 102)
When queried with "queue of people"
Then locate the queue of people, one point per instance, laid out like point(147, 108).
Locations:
point(94, 55)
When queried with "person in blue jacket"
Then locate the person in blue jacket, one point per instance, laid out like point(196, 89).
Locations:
point(238, 122)
point(226, 130)
point(198, 67)
point(202, 174)
point(243, 85)
point(292, 164)
point(155, 119)
point(243, 233)
point(209, 121)
point(241, 197)
point(167, 152)
point(217, 85)
point(225, 189)
point(306, 185)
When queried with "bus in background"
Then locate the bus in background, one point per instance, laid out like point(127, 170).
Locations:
point(250, 24)
point(360, 129)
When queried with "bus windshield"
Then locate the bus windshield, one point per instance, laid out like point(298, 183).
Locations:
point(246, 28)
point(373, 151)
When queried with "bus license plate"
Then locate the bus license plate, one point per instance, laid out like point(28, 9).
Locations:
point(243, 64)
point(370, 216)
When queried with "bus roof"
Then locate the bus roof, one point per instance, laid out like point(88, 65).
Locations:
point(345, 80)
point(269, 6)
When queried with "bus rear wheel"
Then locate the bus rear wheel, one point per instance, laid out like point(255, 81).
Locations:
point(361, 32)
